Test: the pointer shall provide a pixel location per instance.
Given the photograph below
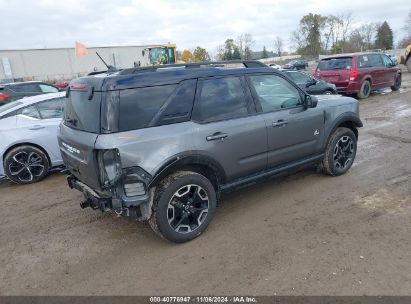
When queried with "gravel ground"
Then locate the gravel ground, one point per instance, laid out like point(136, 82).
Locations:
point(306, 234)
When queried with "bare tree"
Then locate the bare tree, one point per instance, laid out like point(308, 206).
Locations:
point(278, 45)
point(346, 20)
point(367, 32)
point(245, 42)
point(220, 50)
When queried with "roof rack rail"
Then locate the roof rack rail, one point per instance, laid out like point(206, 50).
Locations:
point(246, 63)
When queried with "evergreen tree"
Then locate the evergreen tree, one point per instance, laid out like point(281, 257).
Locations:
point(264, 54)
point(236, 54)
point(384, 38)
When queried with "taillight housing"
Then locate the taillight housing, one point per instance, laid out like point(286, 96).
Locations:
point(110, 166)
point(135, 181)
point(353, 75)
point(4, 96)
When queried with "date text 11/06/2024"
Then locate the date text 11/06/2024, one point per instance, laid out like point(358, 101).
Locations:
point(205, 299)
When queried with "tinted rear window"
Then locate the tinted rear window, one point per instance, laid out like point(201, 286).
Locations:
point(139, 106)
point(81, 113)
point(344, 63)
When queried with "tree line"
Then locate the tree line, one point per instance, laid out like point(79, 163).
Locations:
point(316, 34)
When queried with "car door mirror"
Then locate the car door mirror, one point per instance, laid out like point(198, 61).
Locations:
point(310, 83)
point(310, 101)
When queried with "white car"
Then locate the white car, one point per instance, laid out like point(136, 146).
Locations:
point(274, 66)
point(28, 132)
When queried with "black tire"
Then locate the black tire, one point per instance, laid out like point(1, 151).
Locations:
point(328, 92)
point(340, 152)
point(182, 218)
point(365, 90)
point(397, 83)
point(26, 164)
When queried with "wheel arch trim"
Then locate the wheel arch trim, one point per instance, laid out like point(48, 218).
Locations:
point(183, 160)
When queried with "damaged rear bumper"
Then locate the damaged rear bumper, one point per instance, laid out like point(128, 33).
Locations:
point(138, 207)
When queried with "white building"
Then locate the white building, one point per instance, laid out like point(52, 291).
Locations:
point(62, 64)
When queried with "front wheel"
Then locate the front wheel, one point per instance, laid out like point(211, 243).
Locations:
point(183, 206)
point(25, 164)
point(340, 152)
point(397, 83)
point(365, 90)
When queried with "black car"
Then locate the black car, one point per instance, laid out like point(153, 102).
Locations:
point(299, 64)
point(17, 90)
point(310, 84)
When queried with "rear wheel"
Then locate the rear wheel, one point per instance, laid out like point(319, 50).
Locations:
point(365, 90)
point(328, 92)
point(26, 164)
point(397, 83)
point(183, 206)
point(340, 152)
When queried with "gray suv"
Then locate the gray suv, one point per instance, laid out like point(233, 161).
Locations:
point(161, 144)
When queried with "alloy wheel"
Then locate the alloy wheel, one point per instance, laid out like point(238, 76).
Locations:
point(26, 166)
point(343, 152)
point(188, 208)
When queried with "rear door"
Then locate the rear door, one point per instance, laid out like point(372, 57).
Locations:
point(228, 129)
point(390, 70)
point(335, 70)
point(294, 132)
point(79, 131)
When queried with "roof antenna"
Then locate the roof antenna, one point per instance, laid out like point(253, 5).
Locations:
point(110, 68)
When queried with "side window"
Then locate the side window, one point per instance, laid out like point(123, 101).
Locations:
point(221, 98)
point(177, 109)
point(139, 106)
point(387, 61)
point(299, 77)
point(26, 88)
point(275, 93)
point(47, 88)
point(376, 60)
point(30, 111)
point(52, 108)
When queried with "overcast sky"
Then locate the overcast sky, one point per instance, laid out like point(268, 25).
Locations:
point(51, 23)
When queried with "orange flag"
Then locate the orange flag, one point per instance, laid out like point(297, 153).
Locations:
point(81, 49)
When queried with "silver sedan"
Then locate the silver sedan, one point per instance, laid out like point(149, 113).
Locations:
point(28, 133)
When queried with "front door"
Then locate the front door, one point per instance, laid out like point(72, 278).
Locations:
point(293, 131)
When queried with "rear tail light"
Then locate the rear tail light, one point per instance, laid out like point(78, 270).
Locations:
point(78, 86)
point(353, 75)
point(4, 96)
point(110, 166)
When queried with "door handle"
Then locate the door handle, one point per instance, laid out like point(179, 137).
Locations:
point(216, 136)
point(279, 123)
point(36, 127)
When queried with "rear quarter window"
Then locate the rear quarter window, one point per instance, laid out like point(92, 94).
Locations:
point(139, 106)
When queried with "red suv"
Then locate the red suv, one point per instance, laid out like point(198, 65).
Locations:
point(359, 73)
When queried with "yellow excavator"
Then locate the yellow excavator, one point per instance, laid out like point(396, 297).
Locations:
point(406, 59)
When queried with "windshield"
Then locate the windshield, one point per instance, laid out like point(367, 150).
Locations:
point(344, 63)
point(161, 55)
point(9, 106)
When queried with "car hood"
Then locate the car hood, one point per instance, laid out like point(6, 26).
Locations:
point(334, 100)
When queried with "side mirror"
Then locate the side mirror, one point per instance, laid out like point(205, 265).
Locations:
point(310, 83)
point(310, 101)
